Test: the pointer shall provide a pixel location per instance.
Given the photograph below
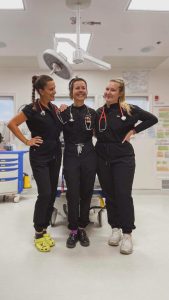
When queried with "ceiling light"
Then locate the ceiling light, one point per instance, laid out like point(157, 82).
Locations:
point(150, 5)
point(11, 4)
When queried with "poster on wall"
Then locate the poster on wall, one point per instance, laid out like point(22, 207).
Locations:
point(162, 142)
point(136, 81)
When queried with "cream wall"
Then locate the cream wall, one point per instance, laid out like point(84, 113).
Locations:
point(18, 83)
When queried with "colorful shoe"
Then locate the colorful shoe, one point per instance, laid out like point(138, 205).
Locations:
point(49, 239)
point(42, 245)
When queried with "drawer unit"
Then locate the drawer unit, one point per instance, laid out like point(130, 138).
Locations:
point(7, 157)
point(7, 165)
point(8, 173)
point(9, 186)
point(11, 171)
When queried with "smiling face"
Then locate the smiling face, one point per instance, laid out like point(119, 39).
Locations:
point(112, 92)
point(78, 92)
point(49, 91)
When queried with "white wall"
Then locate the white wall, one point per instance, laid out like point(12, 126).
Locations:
point(18, 83)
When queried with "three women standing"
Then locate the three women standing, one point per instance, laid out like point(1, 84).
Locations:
point(114, 124)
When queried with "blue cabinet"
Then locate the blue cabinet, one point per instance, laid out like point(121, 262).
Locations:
point(11, 172)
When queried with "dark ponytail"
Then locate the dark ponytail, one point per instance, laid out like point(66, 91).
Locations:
point(34, 78)
point(39, 83)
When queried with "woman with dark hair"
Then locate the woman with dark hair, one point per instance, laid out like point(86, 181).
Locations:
point(45, 153)
point(115, 124)
point(79, 162)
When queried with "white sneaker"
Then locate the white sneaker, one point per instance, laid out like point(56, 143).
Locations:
point(115, 237)
point(126, 244)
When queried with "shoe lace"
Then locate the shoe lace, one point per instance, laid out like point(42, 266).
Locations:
point(82, 233)
point(72, 236)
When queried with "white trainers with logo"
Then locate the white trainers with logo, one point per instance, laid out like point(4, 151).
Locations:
point(115, 237)
point(126, 246)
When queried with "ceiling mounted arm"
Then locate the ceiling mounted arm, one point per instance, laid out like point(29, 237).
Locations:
point(57, 62)
point(78, 27)
point(79, 55)
point(100, 63)
point(58, 40)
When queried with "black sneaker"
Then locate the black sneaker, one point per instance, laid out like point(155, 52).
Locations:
point(83, 238)
point(72, 240)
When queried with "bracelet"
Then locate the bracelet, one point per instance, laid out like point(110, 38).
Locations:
point(26, 142)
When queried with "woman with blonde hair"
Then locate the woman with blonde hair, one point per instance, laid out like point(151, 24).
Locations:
point(115, 125)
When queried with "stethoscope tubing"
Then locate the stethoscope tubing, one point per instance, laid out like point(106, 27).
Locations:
point(88, 118)
point(71, 119)
point(103, 117)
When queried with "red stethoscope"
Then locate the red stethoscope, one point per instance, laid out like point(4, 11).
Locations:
point(103, 119)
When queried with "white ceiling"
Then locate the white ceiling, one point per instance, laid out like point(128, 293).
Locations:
point(118, 40)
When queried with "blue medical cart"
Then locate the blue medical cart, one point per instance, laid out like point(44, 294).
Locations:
point(11, 173)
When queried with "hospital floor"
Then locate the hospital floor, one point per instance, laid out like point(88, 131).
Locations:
point(97, 272)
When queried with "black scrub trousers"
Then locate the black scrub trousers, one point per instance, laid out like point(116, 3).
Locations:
point(45, 160)
point(116, 162)
point(79, 165)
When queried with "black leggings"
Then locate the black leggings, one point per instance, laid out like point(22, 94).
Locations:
point(116, 179)
point(46, 174)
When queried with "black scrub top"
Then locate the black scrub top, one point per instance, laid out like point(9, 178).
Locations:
point(76, 132)
point(47, 126)
point(109, 144)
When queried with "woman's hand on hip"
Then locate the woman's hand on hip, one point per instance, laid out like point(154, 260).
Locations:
point(128, 136)
point(35, 141)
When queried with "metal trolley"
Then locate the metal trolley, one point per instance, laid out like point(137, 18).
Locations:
point(97, 206)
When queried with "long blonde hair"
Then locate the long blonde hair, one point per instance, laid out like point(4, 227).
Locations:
point(122, 99)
